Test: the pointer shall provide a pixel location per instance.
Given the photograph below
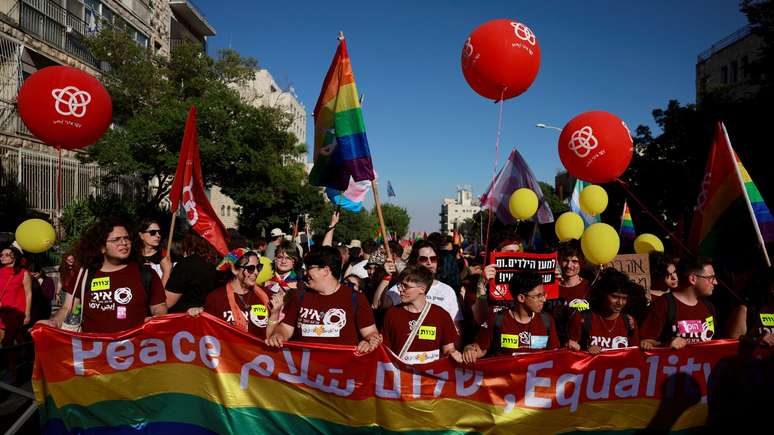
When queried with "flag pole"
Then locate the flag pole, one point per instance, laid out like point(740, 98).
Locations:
point(378, 206)
point(171, 232)
point(746, 198)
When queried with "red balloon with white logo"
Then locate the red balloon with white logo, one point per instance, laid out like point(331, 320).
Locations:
point(65, 107)
point(596, 147)
point(501, 58)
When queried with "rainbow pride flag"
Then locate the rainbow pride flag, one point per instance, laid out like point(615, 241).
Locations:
point(340, 144)
point(726, 181)
point(197, 375)
point(627, 225)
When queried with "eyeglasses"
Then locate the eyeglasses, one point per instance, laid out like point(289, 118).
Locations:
point(153, 233)
point(406, 287)
point(284, 258)
point(252, 268)
point(709, 278)
point(538, 296)
point(308, 268)
point(431, 259)
point(120, 240)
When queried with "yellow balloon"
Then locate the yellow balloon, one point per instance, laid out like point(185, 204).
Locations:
point(593, 200)
point(600, 243)
point(646, 243)
point(266, 271)
point(35, 235)
point(523, 203)
point(569, 226)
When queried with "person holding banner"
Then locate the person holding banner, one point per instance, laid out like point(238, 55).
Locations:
point(521, 329)
point(605, 326)
point(684, 316)
point(423, 253)
point(417, 331)
point(241, 302)
point(115, 287)
point(756, 317)
point(326, 311)
point(573, 289)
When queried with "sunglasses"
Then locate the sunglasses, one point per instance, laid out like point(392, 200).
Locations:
point(153, 232)
point(431, 259)
point(252, 268)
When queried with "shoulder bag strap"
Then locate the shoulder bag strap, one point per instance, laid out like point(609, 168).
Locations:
point(414, 331)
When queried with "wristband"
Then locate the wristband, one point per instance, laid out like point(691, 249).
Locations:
point(482, 297)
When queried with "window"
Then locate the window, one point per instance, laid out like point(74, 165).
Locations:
point(745, 67)
point(222, 210)
point(734, 72)
point(724, 75)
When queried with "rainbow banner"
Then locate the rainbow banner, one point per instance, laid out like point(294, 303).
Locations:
point(340, 143)
point(726, 181)
point(627, 225)
point(180, 374)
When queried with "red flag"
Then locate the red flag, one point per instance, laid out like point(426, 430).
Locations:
point(189, 185)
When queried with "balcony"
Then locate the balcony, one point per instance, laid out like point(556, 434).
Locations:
point(186, 11)
point(56, 26)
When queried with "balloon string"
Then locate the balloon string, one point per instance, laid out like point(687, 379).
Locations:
point(677, 240)
point(59, 182)
point(490, 198)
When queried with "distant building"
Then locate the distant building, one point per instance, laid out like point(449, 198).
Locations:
point(564, 183)
point(454, 211)
point(263, 90)
point(726, 65)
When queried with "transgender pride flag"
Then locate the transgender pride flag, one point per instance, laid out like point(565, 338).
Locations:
point(340, 143)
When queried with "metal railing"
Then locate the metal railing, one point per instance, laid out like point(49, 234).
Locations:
point(723, 43)
point(37, 173)
point(55, 25)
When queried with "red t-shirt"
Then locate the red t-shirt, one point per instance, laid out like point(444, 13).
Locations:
point(515, 337)
point(328, 318)
point(576, 296)
point(764, 322)
point(693, 323)
point(256, 313)
point(117, 301)
point(607, 334)
point(436, 332)
point(12, 289)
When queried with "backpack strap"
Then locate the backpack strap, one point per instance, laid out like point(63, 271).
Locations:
point(546, 318)
point(494, 346)
point(355, 305)
point(147, 280)
point(629, 322)
point(666, 330)
point(585, 329)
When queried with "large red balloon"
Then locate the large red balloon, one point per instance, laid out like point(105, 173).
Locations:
point(65, 107)
point(596, 147)
point(501, 58)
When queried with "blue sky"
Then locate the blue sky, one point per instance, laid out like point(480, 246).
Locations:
point(427, 129)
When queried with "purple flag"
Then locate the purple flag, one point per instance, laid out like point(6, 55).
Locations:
point(514, 175)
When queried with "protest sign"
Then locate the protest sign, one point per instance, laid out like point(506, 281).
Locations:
point(635, 266)
point(507, 263)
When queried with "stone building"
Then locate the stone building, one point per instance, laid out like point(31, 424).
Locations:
point(38, 33)
point(726, 63)
point(454, 211)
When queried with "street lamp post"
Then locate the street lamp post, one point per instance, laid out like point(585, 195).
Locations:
point(541, 125)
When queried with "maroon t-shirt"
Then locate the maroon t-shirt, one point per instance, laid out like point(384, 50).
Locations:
point(256, 313)
point(515, 337)
point(764, 322)
point(607, 334)
point(693, 323)
point(576, 296)
point(436, 331)
point(328, 319)
point(117, 301)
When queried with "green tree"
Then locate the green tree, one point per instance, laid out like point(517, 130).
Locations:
point(557, 206)
point(396, 219)
point(360, 226)
point(241, 146)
